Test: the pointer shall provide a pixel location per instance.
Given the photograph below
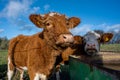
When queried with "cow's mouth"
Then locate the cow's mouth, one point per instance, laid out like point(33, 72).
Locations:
point(91, 51)
point(64, 45)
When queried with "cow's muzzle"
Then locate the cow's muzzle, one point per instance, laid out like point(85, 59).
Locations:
point(91, 52)
point(65, 40)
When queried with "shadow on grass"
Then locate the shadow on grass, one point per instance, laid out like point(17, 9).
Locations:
point(3, 71)
point(3, 74)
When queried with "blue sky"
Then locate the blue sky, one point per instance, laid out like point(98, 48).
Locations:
point(94, 15)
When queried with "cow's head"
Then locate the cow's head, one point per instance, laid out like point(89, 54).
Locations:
point(92, 41)
point(56, 27)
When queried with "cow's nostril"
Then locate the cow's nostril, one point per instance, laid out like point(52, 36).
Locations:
point(64, 37)
point(88, 45)
point(93, 44)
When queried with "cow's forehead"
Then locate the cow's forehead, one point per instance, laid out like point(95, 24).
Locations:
point(54, 14)
point(92, 35)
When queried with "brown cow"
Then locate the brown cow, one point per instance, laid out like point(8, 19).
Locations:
point(38, 53)
point(89, 44)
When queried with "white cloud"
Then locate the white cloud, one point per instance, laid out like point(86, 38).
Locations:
point(1, 30)
point(83, 29)
point(46, 7)
point(109, 28)
point(115, 28)
point(17, 12)
point(16, 8)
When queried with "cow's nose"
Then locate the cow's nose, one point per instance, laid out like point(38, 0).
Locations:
point(68, 38)
point(91, 45)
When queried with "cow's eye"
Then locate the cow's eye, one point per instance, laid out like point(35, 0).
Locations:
point(47, 24)
point(84, 40)
point(67, 23)
point(98, 39)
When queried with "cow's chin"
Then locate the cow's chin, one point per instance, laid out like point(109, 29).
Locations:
point(64, 45)
point(91, 52)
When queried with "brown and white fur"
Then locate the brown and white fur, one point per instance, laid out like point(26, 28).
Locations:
point(89, 44)
point(38, 53)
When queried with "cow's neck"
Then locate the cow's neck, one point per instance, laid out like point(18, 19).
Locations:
point(50, 40)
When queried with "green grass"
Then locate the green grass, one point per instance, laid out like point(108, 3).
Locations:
point(3, 57)
point(110, 47)
point(3, 64)
point(3, 67)
point(104, 47)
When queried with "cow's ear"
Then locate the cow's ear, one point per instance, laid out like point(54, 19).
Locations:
point(78, 39)
point(73, 21)
point(106, 37)
point(37, 20)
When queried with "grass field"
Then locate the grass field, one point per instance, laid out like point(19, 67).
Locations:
point(3, 64)
point(3, 58)
point(110, 47)
point(104, 47)
point(3, 67)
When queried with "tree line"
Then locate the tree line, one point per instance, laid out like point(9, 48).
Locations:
point(4, 43)
point(115, 40)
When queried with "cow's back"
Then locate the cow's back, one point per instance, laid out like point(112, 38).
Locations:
point(20, 46)
point(24, 43)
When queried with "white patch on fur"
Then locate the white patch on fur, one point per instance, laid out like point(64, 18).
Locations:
point(24, 68)
point(66, 17)
point(10, 72)
point(52, 14)
point(40, 77)
point(74, 56)
point(8, 60)
point(92, 36)
point(57, 75)
point(96, 34)
point(8, 63)
point(21, 75)
point(37, 77)
point(42, 15)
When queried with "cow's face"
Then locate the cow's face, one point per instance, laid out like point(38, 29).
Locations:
point(92, 42)
point(56, 27)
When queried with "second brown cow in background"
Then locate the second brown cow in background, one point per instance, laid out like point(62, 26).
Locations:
point(89, 44)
